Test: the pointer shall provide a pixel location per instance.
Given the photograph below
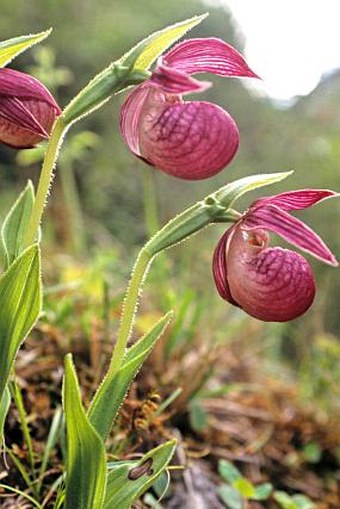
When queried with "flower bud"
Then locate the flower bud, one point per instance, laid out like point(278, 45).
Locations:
point(27, 110)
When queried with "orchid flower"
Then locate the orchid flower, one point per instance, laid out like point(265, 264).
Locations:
point(271, 283)
point(190, 140)
point(27, 110)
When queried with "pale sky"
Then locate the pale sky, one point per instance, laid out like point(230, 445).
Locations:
point(289, 43)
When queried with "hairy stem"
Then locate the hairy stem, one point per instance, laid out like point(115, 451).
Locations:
point(134, 289)
point(45, 180)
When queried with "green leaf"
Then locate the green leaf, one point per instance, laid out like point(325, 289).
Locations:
point(15, 225)
point(228, 472)
point(198, 416)
point(303, 502)
point(20, 297)
point(245, 487)
point(4, 407)
point(11, 48)
point(284, 500)
point(263, 491)
point(111, 393)
point(144, 54)
point(312, 452)
point(230, 497)
point(86, 466)
point(127, 482)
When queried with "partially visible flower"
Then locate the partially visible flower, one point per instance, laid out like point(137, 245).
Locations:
point(27, 110)
point(190, 140)
point(271, 283)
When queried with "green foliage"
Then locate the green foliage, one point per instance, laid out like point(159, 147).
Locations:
point(286, 501)
point(20, 296)
point(111, 393)
point(10, 48)
point(86, 466)
point(15, 224)
point(231, 497)
point(5, 402)
point(239, 488)
point(144, 54)
point(198, 416)
point(128, 481)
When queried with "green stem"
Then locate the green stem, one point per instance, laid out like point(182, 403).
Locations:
point(45, 180)
point(139, 273)
point(150, 202)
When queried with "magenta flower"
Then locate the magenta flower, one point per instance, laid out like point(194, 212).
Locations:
point(270, 283)
point(190, 140)
point(27, 110)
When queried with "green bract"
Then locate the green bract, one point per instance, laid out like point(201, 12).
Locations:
point(11, 48)
point(130, 69)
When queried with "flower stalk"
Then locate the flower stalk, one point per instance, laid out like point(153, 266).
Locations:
point(45, 180)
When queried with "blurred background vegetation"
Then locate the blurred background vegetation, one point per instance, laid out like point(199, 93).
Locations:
point(101, 206)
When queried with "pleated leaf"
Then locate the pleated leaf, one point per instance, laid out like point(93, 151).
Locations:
point(15, 225)
point(127, 482)
point(110, 395)
point(20, 297)
point(86, 466)
point(11, 48)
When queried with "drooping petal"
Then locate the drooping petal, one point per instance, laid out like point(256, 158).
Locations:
point(296, 200)
point(189, 140)
point(173, 81)
point(208, 55)
point(219, 266)
point(293, 230)
point(271, 284)
point(129, 117)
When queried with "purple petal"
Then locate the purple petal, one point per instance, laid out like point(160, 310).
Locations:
point(296, 200)
point(15, 111)
point(208, 55)
point(293, 230)
point(190, 140)
point(25, 123)
point(129, 116)
point(22, 86)
point(173, 81)
point(271, 284)
point(219, 267)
